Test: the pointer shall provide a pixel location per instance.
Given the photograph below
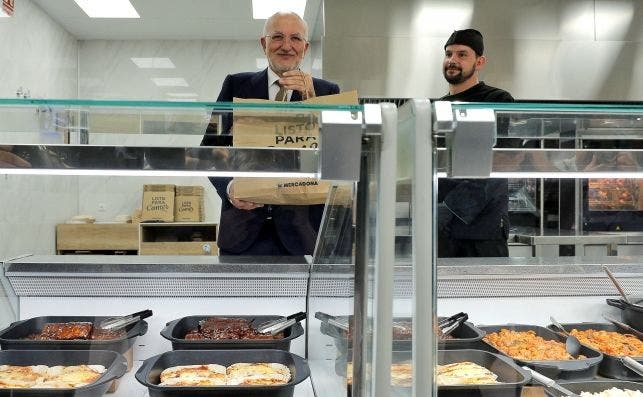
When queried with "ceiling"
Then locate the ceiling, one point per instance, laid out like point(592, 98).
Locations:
point(173, 20)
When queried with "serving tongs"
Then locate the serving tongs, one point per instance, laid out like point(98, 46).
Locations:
point(450, 324)
point(114, 323)
point(276, 326)
point(624, 327)
point(332, 320)
point(550, 383)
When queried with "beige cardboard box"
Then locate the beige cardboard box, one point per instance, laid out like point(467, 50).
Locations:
point(188, 204)
point(158, 203)
point(282, 129)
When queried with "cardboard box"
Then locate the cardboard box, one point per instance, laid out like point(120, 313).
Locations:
point(158, 203)
point(282, 129)
point(188, 204)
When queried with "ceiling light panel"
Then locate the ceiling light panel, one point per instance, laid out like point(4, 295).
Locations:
point(170, 81)
point(153, 63)
point(108, 9)
point(262, 9)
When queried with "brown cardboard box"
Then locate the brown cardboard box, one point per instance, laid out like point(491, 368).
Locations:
point(282, 129)
point(188, 204)
point(158, 203)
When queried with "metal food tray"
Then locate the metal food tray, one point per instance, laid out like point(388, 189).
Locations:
point(113, 362)
point(149, 373)
point(611, 366)
point(595, 386)
point(175, 331)
point(512, 377)
point(467, 336)
point(13, 336)
point(556, 369)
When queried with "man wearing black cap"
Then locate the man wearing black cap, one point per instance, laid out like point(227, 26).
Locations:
point(473, 219)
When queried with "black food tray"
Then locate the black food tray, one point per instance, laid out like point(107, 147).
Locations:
point(513, 378)
point(555, 369)
point(150, 372)
point(114, 363)
point(467, 336)
point(595, 386)
point(175, 331)
point(631, 313)
point(611, 366)
point(12, 336)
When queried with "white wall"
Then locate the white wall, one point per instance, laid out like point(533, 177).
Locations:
point(536, 49)
point(40, 56)
point(106, 69)
point(37, 54)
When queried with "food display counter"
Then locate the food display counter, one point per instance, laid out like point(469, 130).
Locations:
point(52, 176)
point(352, 302)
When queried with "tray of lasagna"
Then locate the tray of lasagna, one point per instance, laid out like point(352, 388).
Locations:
point(215, 373)
point(59, 373)
point(227, 332)
point(460, 373)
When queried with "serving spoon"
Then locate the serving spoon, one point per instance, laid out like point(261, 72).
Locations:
point(572, 344)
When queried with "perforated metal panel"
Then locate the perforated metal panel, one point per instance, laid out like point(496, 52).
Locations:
point(117, 286)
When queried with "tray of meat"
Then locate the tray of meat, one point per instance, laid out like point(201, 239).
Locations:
point(58, 373)
point(460, 373)
point(69, 333)
point(614, 343)
point(214, 373)
point(465, 336)
point(541, 349)
point(601, 388)
point(229, 332)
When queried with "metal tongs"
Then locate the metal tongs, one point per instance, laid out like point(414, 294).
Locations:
point(114, 323)
point(275, 326)
point(333, 320)
point(550, 383)
point(450, 324)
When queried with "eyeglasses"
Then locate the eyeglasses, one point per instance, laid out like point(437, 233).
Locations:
point(280, 38)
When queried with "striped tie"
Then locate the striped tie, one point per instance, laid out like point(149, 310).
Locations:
point(281, 95)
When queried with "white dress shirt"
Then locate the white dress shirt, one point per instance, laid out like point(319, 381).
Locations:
point(273, 86)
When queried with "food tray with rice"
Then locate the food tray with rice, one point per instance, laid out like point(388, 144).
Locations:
point(227, 332)
point(601, 388)
point(541, 349)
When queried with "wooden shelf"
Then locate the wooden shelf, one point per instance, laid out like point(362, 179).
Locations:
point(97, 237)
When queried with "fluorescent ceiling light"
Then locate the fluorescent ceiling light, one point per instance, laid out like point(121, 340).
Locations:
point(153, 63)
point(263, 9)
point(108, 8)
point(183, 94)
point(170, 81)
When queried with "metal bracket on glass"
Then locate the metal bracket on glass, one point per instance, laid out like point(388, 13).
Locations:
point(443, 117)
point(470, 144)
point(340, 142)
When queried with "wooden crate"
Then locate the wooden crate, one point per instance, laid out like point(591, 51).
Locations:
point(179, 238)
point(95, 237)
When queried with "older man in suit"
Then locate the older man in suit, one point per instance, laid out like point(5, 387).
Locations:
point(248, 228)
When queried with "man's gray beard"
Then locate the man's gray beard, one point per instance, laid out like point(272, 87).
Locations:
point(458, 78)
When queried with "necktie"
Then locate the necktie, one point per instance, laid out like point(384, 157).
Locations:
point(281, 95)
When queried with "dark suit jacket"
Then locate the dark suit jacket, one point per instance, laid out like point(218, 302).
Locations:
point(239, 230)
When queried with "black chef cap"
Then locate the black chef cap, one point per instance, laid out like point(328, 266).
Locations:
point(468, 37)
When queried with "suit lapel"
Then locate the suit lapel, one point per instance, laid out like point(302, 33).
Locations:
point(259, 85)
